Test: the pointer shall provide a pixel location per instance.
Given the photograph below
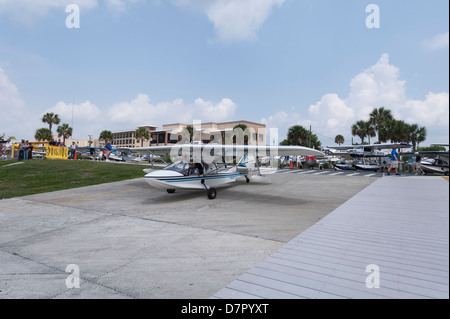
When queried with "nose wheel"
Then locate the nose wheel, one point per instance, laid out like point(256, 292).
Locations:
point(211, 193)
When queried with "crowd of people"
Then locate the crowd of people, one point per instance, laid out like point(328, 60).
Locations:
point(25, 149)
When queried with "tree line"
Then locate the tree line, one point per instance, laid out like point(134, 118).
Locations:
point(46, 134)
point(382, 124)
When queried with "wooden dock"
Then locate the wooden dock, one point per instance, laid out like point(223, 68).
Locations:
point(390, 241)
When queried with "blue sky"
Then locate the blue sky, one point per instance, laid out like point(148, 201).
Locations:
point(280, 62)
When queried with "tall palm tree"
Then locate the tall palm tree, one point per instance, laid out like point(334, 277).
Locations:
point(43, 134)
point(379, 118)
point(64, 131)
point(142, 133)
point(298, 135)
point(371, 131)
point(243, 127)
point(421, 135)
point(339, 139)
point(416, 135)
point(190, 130)
point(106, 136)
point(398, 131)
point(360, 129)
point(50, 119)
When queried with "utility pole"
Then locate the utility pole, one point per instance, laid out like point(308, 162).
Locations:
point(309, 144)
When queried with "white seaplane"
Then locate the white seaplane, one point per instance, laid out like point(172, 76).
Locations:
point(365, 152)
point(203, 159)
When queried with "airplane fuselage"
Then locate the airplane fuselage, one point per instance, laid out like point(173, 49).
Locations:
point(175, 180)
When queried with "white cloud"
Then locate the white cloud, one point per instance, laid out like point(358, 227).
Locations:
point(434, 110)
point(437, 42)
point(377, 86)
point(210, 111)
point(85, 118)
point(141, 111)
point(86, 111)
point(234, 20)
point(335, 108)
point(15, 118)
point(279, 118)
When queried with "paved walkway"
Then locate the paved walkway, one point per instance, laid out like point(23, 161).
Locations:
point(391, 240)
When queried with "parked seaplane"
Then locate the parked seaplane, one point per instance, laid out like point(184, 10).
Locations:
point(365, 153)
point(204, 159)
point(433, 161)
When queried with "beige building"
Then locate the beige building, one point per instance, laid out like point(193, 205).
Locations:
point(127, 138)
point(79, 142)
point(205, 132)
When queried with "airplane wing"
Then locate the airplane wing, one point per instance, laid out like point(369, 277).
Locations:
point(369, 147)
point(342, 147)
point(429, 154)
point(388, 146)
point(89, 148)
point(228, 150)
point(440, 144)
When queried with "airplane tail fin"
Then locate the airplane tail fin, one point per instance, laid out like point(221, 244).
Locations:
point(246, 164)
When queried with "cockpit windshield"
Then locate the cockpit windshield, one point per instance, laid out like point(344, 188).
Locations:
point(183, 167)
point(180, 167)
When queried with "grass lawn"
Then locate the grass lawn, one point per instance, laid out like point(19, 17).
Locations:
point(46, 175)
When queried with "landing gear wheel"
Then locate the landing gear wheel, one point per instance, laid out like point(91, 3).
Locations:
point(171, 191)
point(247, 179)
point(212, 193)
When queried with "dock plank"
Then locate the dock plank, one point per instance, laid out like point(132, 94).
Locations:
point(387, 225)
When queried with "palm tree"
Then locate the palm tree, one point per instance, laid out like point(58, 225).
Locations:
point(370, 131)
point(190, 130)
point(142, 133)
point(298, 135)
point(65, 131)
point(106, 136)
point(51, 119)
point(398, 131)
point(339, 139)
point(361, 129)
point(243, 127)
point(421, 135)
point(416, 135)
point(379, 119)
point(43, 134)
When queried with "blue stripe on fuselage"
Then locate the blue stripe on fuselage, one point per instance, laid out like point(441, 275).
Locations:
point(194, 178)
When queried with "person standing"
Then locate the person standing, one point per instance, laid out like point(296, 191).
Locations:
point(394, 162)
point(22, 142)
point(73, 149)
point(108, 149)
point(417, 164)
point(26, 147)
